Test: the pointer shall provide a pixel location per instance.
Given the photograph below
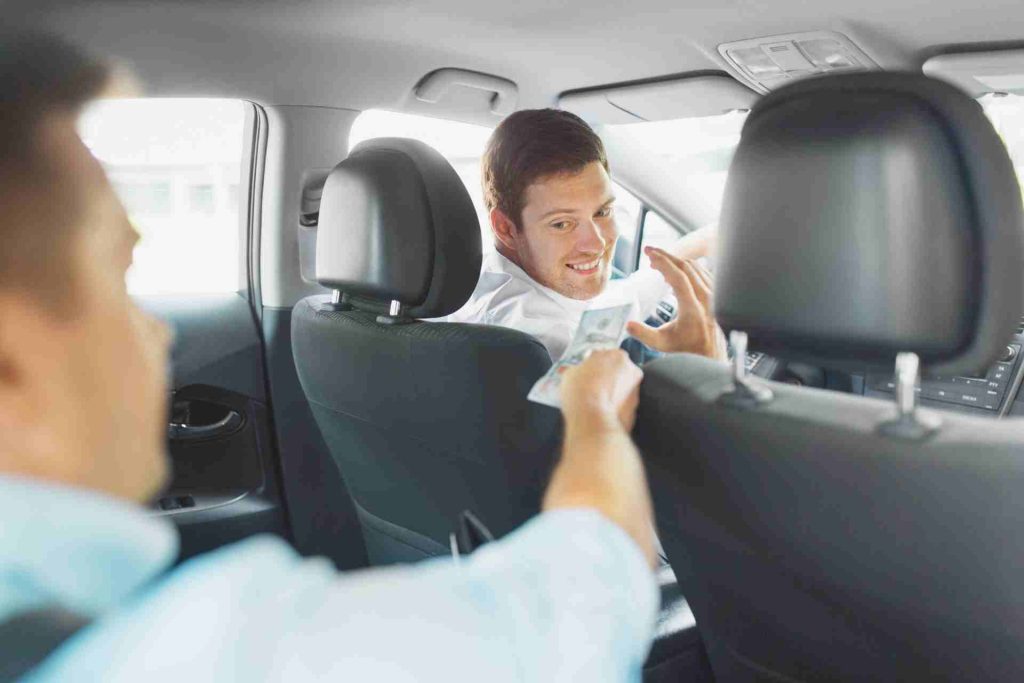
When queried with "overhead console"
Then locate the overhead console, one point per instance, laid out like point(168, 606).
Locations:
point(771, 62)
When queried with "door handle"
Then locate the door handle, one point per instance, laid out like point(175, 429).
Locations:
point(184, 432)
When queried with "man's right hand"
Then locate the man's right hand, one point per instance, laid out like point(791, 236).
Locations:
point(606, 383)
point(600, 467)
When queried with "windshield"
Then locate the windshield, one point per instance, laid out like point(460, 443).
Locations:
point(1006, 112)
point(693, 154)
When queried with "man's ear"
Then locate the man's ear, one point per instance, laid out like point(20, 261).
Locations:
point(17, 358)
point(504, 229)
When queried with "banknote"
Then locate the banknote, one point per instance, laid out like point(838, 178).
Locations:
point(601, 328)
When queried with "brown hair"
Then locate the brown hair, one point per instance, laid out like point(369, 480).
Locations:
point(40, 76)
point(532, 144)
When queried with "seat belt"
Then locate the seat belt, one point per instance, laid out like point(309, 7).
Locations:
point(30, 637)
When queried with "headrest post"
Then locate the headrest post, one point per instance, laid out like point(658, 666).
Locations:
point(907, 365)
point(738, 341)
point(396, 315)
point(338, 302)
point(745, 393)
point(909, 423)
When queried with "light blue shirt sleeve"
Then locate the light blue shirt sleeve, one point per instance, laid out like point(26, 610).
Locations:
point(567, 597)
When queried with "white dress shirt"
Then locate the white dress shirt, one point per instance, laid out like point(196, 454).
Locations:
point(505, 295)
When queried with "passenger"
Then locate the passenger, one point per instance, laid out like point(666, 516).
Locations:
point(552, 212)
point(86, 584)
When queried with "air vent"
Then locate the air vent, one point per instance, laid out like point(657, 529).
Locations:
point(768, 63)
point(1020, 326)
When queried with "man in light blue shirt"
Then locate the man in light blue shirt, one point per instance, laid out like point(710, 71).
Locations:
point(568, 597)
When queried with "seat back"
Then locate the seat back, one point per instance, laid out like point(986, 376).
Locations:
point(813, 541)
point(813, 548)
point(423, 419)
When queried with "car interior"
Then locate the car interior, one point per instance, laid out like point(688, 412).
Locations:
point(837, 503)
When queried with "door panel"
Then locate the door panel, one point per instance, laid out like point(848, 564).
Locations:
point(225, 483)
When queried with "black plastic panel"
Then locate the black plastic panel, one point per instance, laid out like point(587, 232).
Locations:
point(224, 485)
point(215, 341)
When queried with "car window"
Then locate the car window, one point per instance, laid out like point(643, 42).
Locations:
point(176, 165)
point(1006, 112)
point(693, 153)
point(658, 232)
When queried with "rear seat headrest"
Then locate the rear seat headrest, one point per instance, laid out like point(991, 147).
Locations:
point(396, 223)
point(869, 214)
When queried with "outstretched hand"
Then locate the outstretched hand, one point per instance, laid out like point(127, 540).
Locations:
point(694, 329)
point(605, 384)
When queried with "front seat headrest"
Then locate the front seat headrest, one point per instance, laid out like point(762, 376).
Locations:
point(869, 214)
point(397, 224)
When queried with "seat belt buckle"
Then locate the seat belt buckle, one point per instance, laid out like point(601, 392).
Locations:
point(469, 534)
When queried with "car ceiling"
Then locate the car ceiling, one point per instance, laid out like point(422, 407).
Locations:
point(370, 53)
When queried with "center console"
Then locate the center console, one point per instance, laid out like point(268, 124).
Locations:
point(991, 393)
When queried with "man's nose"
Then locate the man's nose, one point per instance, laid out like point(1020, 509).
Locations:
point(590, 238)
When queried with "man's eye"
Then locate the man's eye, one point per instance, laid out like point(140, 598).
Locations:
point(561, 225)
point(605, 212)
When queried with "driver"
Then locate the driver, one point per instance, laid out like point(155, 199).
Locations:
point(552, 211)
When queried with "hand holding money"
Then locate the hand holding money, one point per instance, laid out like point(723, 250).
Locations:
point(601, 328)
point(606, 383)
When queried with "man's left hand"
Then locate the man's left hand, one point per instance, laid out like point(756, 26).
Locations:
point(694, 329)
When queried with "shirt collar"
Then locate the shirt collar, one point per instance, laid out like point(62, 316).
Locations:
point(77, 548)
point(499, 262)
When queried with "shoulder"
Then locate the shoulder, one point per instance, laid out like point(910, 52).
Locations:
point(193, 621)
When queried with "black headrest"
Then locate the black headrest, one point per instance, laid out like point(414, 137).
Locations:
point(396, 224)
point(870, 214)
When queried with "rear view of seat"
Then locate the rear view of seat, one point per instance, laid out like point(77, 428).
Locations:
point(816, 535)
point(424, 419)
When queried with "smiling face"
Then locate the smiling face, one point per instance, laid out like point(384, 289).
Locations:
point(566, 235)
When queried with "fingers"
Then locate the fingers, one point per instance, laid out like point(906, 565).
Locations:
point(675, 276)
point(689, 280)
point(701, 286)
point(705, 275)
point(650, 336)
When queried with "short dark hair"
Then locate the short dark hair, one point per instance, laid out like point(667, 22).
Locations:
point(532, 144)
point(40, 76)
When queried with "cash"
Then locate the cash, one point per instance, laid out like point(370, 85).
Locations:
point(601, 328)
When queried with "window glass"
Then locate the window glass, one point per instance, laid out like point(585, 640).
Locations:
point(462, 144)
point(176, 164)
point(1006, 113)
point(694, 153)
point(658, 232)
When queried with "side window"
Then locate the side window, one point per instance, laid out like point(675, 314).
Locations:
point(657, 232)
point(462, 144)
point(627, 216)
point(176, 165)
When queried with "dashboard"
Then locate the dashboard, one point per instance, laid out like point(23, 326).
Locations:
point(990, 394)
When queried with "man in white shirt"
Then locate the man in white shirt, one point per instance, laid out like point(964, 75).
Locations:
point(552, 212)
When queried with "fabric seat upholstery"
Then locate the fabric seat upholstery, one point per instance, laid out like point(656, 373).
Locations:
point(426, 419)
point(813, 544)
